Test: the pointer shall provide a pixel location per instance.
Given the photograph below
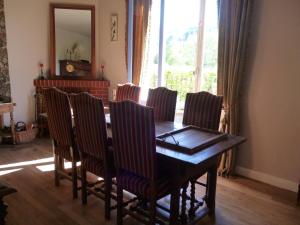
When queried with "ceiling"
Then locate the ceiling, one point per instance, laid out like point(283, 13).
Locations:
point(74, 20)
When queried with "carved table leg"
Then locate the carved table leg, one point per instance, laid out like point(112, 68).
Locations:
point(175, 196)
point(211, 185)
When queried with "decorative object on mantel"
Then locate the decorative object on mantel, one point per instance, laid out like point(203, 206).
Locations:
point(41, 75)
point(102, 72)
point(74, 59)
point(73, 53)
point(114, 27)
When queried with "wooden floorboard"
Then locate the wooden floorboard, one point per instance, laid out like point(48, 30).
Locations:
point(39, 202)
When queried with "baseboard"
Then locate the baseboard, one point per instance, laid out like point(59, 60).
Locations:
point(268, 179)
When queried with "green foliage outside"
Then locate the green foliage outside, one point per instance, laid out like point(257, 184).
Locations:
point(180, 62)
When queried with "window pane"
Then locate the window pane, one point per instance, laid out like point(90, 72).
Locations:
point(181, 35)
point(210, 48)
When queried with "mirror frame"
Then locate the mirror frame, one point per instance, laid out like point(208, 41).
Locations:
point(54, 6)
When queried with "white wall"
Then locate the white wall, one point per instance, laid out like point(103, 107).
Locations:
point(27, 24)
point(271, 105)
point(112, 54)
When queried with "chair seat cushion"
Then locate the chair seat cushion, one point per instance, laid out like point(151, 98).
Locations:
point(65, 152)
point(141, 186)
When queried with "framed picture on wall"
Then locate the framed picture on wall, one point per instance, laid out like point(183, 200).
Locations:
point(114, 27)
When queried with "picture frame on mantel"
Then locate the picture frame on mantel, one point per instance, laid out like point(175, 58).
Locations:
point(114, 27)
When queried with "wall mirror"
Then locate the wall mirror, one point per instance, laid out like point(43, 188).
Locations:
point(72, 33)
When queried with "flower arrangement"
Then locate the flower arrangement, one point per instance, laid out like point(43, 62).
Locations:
point(74, 52)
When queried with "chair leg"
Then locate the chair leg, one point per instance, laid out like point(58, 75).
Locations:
point(83, 186)
point(152, 210)
point(175, 207)
point(74, 180)
point(119, 205)
point(56, 168)
point(108, 187)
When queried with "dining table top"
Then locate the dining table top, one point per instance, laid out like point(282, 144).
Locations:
point(199, 157)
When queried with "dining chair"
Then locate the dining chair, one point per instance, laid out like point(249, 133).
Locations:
point(61, 131)
point(128, 92)
point(133, 132)
point(40, 114)
point(203, 110)
point(93, 145)
point(163, 102)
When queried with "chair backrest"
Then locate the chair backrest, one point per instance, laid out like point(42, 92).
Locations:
point(90, 124)
point(133, 132)
point(163, 102)
point(128, 92)
point(59, 116)
point(203, 109)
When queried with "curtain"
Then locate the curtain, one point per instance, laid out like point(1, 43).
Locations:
point(234, 26)
point(140, 28)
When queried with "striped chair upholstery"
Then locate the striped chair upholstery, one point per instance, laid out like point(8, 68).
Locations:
point(133, 132)
point(203, 109)
point(61, 131)
point(92, 140)
point(163, 102)
point(128, 92)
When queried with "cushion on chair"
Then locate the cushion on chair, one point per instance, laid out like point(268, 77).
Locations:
point(140, 186)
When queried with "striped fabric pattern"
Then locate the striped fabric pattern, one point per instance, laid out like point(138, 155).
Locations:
point(128, 92)
point(203, 109)
point(97, 167)
point(133, 132)
point(89, 118)
point(163, 102)
point(59, 116)
point(64, 151)
point(141, 186)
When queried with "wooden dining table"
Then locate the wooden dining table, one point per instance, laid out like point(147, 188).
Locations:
point(187, 166)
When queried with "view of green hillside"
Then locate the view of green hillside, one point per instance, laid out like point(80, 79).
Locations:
point(181, 46)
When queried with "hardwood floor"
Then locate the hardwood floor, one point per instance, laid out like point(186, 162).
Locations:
point(39, 202)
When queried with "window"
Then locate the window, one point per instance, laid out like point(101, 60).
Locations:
point(181, 49)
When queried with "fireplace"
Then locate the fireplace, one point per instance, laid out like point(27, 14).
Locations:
point(97, 88)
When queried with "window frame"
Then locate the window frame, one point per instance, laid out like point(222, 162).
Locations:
point(162, 42)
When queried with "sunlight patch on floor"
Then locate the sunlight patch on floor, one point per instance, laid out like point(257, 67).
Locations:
point(50, 167)
point(4, 172)
point(27, 163)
